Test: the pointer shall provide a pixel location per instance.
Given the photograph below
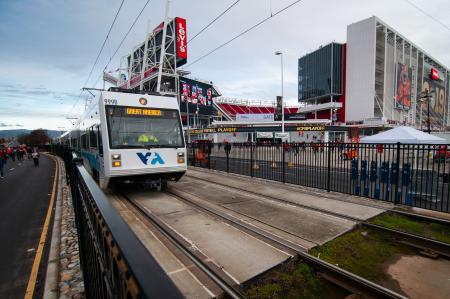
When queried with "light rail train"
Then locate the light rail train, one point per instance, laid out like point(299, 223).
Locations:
point(130, 137)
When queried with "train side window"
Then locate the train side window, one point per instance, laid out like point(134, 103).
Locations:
point(100, 144)
point(84, 140)
point(93, 137)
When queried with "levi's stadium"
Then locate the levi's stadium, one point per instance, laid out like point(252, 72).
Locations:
point(373, 81)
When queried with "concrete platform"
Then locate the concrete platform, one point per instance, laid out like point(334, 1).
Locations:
point(183, 278)
point(314, 227)
point(240, 255)
point(349, 206)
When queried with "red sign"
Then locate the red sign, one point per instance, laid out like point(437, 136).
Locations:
point(434, 74)
point(181, 37)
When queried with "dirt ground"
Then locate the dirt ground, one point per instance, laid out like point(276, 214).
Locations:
point(411, 271)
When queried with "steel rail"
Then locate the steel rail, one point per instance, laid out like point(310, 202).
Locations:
point(341, 277)
point(168, 233)
point(421, 242)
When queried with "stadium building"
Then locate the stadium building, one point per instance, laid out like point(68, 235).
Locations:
point(384, 77)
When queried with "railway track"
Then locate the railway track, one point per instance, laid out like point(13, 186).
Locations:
point(413, 240)
point(336, 275)
point(220, 279)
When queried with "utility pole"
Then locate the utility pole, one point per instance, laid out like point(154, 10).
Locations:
point(282, 91)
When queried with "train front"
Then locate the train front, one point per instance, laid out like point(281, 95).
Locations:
point(145, 139)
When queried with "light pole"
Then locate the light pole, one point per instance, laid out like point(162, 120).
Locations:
point(282, 90)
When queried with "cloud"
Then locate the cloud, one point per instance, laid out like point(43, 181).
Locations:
point(5, 125)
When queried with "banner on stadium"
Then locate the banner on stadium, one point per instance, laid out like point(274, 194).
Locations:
point(403, 92)
point(438, 100)
point(255, 117)
point(270, 129)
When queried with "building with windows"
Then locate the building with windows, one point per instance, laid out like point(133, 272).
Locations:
point(321, 82)
point(384, 78)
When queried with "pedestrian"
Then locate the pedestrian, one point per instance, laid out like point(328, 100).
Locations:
point(227, 148)
point(35, 156)
point(13, 155)
point(2, 164)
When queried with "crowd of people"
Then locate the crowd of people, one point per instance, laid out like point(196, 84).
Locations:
point(19, 154)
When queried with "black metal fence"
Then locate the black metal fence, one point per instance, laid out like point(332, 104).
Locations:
point(409, 174)
point(114, 262)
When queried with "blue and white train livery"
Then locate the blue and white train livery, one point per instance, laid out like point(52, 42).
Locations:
point(131, 137)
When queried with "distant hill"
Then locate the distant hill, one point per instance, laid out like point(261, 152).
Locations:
point(17, 132)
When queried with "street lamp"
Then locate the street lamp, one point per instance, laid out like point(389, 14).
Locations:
point(282, 89)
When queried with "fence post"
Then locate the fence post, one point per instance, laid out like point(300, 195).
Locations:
point(283, 160)
point(228, 160)
point(397, 193)
point(329, 168)
point(251, 159)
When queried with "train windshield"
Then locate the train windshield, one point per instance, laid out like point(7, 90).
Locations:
point(132, 127)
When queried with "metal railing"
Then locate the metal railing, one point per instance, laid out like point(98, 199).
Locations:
point(115, 264)
point(408, 174)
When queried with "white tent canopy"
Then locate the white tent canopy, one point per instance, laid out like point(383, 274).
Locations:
point(403, 134)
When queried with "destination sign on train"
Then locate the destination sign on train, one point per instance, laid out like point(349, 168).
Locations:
point(140, 111)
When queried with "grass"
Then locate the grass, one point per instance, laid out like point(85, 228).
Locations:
point(293, 280)
point(364, 252)
point(432, 230)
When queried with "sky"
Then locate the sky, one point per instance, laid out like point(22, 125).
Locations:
point(47, 47)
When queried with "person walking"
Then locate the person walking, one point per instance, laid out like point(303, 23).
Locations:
point(2, 164)
point(13, 155)
point(35, 156)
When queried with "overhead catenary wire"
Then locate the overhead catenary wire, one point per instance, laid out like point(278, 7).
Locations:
point(99, 52)
point(104, 42)
point(427, 14)
point(243, 32)
point(126, 35)
point(213, 21)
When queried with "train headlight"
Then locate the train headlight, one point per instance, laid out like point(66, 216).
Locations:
point(115, 156)
point(180, 157)
point(116, 163)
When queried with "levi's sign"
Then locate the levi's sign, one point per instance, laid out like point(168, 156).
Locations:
point(181, 37)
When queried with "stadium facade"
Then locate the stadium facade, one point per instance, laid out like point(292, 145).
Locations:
point(385, 77)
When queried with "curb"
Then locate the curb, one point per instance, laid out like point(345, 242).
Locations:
point(51, 288)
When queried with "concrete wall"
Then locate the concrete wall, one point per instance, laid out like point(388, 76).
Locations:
point(360, 83)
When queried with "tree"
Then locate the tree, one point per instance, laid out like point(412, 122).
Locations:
point(36, 137)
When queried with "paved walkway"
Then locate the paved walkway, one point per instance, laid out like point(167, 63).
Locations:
point(25, 194)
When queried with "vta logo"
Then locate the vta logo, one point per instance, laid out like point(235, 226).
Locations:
point(155, 160)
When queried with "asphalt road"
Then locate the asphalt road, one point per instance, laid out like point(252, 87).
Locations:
point(24, 198)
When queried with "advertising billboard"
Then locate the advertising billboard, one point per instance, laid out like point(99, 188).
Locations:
point(195, 92)
point(198, 95)
point(436, 88)
point(180, 27)
point(403, 87)
point(278, 110)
